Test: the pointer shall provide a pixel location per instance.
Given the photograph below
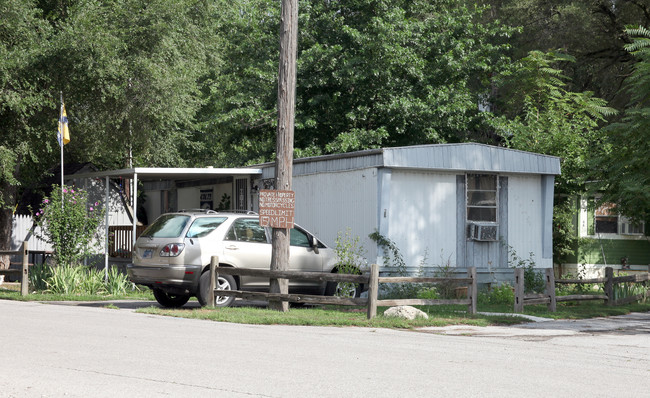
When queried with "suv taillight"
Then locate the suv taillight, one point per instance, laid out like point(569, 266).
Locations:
point(172, 250)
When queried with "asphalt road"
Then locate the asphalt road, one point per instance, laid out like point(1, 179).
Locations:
point(87, 351)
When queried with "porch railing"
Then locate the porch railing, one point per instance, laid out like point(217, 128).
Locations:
point(120, 239)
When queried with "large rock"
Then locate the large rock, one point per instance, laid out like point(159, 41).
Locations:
point(406, 312)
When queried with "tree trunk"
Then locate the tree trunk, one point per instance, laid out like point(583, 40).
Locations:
point(6, 221)
point(284, 145)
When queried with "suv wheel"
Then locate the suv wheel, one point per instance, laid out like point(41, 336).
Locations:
point(343, 289)
point(170, 300)
point(224, 282)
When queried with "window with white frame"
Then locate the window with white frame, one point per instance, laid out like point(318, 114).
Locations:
point(607, 221)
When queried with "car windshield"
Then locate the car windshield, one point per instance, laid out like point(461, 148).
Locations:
point(167, 226)
point(203, 226)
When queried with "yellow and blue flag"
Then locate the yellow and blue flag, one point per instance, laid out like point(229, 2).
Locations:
point(63, 135)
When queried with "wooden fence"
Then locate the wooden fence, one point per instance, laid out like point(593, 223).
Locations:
point(24, 273)
point(372, 280)
point(550, 299)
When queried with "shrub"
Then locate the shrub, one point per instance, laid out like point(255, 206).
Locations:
point(117, 282)
point(38, 276)
point(351, 259)
point(68, 222)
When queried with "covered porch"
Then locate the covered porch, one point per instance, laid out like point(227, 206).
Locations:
point(148, 192)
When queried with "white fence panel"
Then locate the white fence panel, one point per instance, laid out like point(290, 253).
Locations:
point(19, 232)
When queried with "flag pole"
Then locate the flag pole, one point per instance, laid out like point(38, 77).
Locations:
point(61, 145)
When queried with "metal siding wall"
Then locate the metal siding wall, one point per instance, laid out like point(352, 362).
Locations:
point(422, 217)
point(329, 203)
point(525, 218)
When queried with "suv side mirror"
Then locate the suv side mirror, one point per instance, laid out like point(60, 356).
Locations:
point(314, 244)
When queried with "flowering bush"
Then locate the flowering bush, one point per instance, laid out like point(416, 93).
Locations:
point(69, 222)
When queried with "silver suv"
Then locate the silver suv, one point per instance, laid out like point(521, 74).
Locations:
point(172, 256)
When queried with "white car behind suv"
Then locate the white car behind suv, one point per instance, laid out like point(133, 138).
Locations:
point(172, 256)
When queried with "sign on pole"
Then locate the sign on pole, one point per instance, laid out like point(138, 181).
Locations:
point(277, 208)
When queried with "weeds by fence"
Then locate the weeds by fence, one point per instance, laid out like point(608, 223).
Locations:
point(609, 297)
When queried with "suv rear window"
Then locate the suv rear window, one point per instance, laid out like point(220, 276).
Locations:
point(204, 225)
point(167, 226)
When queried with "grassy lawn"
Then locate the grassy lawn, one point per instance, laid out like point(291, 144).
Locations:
point(335, 316)
point(348, 316)
point(438, 315)
point(12, 292)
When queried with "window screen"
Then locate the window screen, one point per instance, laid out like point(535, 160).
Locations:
point(482, 194)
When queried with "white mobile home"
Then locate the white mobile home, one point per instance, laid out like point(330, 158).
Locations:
point(461, 204)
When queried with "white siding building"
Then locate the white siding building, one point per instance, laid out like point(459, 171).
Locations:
point(457, 204)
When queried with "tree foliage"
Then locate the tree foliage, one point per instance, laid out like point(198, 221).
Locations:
point(593, 31)
point(539, 114)
point(131, 72)
point(622, 167)
point(371, 73)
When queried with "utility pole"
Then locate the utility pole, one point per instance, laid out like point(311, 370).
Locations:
point(284, 143)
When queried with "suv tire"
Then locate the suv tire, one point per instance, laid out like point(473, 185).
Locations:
point(224, 282)
point(170, 300)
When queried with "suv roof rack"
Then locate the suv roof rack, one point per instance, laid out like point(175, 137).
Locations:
point(210, 211)
point(207, 211)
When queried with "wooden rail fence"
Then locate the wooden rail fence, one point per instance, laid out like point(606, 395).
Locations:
point(550, 299)
point(24, 273)
point(372, 280)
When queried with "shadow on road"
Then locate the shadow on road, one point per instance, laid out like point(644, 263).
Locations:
point(136, 304)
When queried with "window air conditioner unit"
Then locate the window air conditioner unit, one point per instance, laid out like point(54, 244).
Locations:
point(483, 232)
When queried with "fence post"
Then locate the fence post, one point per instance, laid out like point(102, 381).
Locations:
point(373, 287)
point(214, 263)
point(609, 285)
point(519, 290)
point(24, 281)
point(472, 290)
point(550, 289)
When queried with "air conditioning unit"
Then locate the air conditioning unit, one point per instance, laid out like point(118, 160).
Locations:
point(483, 232)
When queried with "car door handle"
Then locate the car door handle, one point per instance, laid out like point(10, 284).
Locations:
point(232, 247)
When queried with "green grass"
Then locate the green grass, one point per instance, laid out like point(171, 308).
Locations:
point(349, 316)
point(332, 316)
point(438, 315)
point(572, 310)
point(10, 293)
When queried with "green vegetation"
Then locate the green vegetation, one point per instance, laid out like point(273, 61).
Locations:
point(332, 316)
point(438, 315)
point(69, 222)
point(8, 292)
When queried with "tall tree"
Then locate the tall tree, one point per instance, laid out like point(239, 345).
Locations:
point(590, 30)
point(132, 73)
point(622, 167)
point(24, 101)
point(370, 73)
point(539, 114)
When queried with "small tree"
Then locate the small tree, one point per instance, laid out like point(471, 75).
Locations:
point(68, 222)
